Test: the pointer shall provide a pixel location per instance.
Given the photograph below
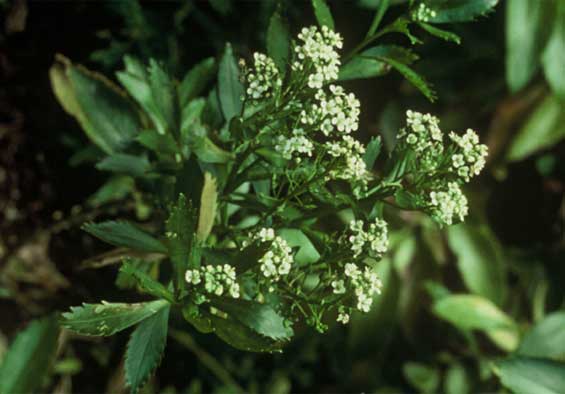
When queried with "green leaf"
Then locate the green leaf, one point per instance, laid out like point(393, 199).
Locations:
point(191, 117)
point(164, 96)
point(162, 144)
point(184, 252)
point(546, 338)
point(422, 377)
point(25, 365)
point(230, 88)
point(208, 205)
point(457, 380)
point(383, 6)
point(123, 163)
point(192, 315)
point(107, 318)
point(323, 13)
point(524, 375)
point(307, 253)
point(144, 281)
point(241, 337)
point(440, 33)
point(451, 11)
point(125, 234)
point(145, 348)
point(471, 312)
point(527, 30)
point(206, 150)
point(115, 189)
point(479, 261)
point(544, 128)
point(261, 318)
point(361, 68)
point(412, 77)
point(278, 41)
point(195, 80)
point(395, 52)
point(553, 56)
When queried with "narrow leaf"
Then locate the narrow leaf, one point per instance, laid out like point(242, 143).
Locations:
point(440, 33)
point(208, 205)
point(553, 57)
point(372, 152)
point(145, 348)
point(278, 41)
point(125, 234)
point(230, 88)
point(412, 77)
point(107, 318)
point(383, 6)
point(127, 164)
point(145, 282)
point(451, 11)
point(323, 13)
point(195, 80)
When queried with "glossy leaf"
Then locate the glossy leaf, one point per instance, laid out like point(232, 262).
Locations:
point(450, 11)
point(125, 234)
point(230, 88)
point(323, 14)
point(145, 349)
point(241, 337)
point(524, 375)
point(26, 364)
point(107, 318)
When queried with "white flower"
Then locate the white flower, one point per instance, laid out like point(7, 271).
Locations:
point(216, 279)
point(265, 78)
point(338, 286)
point(295, 146)
point(448, 205)
point(471, 156)
point(278, 260)
point(343, 317)
point(423, 13)
point(376, 237)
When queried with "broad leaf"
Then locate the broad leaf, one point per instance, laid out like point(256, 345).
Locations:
point(450, 11)
point(546, 338)
point(323, 13)
point(457, 380)
point(145, 282)
point(361, 67)
point(115, 189)
point(125, 234)
point(524, 375)
point(107, 318)
point(422, 377)
point(278, 41)
point(394, 52)
point(241, 337)
point(553, 57)
point(145, 348)
point(161, 144)
point(544, 128)
point(195, 81)
point(25, 365)
point(208, 205)
point(261, 318)
point(295, 238)
point(123, 163)
point(230, 88)
point(470, 312)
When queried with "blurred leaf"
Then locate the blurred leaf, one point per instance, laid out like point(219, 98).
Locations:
point(191, 115)
point(372, 152)
point(422, 377)
point(457, 380)
point(183, 251)
point(206, 150)
point(115, 189)
point(323, 14)
point(241, 337)
point(527, 29)
point(450, 11)
point(440, 33)
point(208, 205)
point(196, 80)
point(479, 261)
point(471, 312)
point(224, 7)
point(145, 282)
point(162, 144)
point(107, 318)
point(383, 6)
point(278, 41)
point(261, 318)
point(553, 56)
point(165, 97)
point(27, 362)
point(123, 233)
point(546, 338)
point(524, 375)
point(307, 252)
point(123, 163)
point(145, 348)
point(230, 88)
point(544, 128)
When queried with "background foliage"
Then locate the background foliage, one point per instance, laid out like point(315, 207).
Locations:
point(474, 308)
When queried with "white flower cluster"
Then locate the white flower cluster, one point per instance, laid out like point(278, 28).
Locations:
point(336, 111)
point(365, 284)
point(449, 204)
point(376, 237)
point(471, 157)
point(318, 50)
point(342, 316)
point(353, 167)
point(265, 78)
point(216, 279)
point(278, 260)
point(423, 135)
point(423, 13)
point(295, 146)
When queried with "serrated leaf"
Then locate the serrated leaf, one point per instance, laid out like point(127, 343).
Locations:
point(241, 337)
point(451, 11)
point(261, 318)
point(415, 79)
point(145, 282)
point(471, 312)
point(145, 348)
point(544, 128)
point(372, 152)
point(183, 251)
point(196, 80)
point(25, 365)
point(230, 88)
point(546, 338)
point(107, 318)
point(123, 233)
point(525, 375)
point(440, 33)
point(395, 52)
point(553, 56)
point(165, 97)
point(323, 14)
point(208, 205)
point(278, 41)
point(123, 163)
point(191, 116)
